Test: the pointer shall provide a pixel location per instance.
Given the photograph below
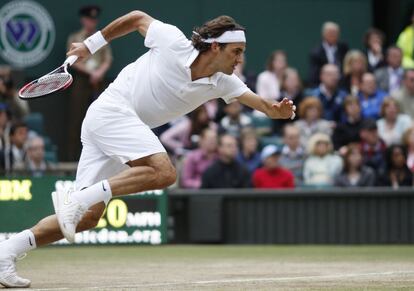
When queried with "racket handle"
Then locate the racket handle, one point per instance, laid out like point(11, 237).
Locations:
point(70, 60)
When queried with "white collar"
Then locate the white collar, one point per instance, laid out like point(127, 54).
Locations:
point(207, 80)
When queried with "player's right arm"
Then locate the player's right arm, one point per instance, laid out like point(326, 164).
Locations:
point(133, 21)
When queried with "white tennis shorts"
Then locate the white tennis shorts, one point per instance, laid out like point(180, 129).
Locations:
point(111, 136)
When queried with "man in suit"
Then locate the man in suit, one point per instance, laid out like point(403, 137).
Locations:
point(330, 51)
point(389, 78)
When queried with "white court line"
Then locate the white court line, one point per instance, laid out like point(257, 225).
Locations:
point(227, 281)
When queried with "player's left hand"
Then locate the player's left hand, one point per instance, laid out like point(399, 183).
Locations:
point(78, 49)
point(285, 109)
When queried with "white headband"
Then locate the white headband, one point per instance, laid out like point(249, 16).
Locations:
point(229, 36)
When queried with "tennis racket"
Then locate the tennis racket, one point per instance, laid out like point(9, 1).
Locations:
point(58, 79)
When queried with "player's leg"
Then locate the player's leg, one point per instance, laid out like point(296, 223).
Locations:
point(46, 231)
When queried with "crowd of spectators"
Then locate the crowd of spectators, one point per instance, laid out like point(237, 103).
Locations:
point(354, 124)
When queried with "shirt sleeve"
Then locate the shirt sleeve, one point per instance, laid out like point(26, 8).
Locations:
point(231, 88)
point(160, 34)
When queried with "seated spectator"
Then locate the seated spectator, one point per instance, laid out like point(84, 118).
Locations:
point(374, 42)
point(405, 42)
point(198, 160)
point(322, 166)
point(15, 153)
point(268, 82)
point(373, 147)
point(293, 154)
point(370, 97)
point(184, 135)
point(355, 65)
point(330, 51)
point(389, 78)
point(329, 93)
point(355, 174)
point(408, 142)
point(9, 95)
point(234, 120)
point(393, 124)
point(35, 162)
point(226, 172)
point(310, 122)
point(272, 175)
point(5, 126)
point(396, 173)
point(249, 155)
point(291, 89)
point(348, 131)
point(405, 95)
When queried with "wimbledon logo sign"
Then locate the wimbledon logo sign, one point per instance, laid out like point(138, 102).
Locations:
point(27, 33)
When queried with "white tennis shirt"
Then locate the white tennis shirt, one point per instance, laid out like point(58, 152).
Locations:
point(158, 85)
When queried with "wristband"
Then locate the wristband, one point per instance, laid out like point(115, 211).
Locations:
point(95, 42)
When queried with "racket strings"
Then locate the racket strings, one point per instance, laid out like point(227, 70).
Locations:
point(46, 85)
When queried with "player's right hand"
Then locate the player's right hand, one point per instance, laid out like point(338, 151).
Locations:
point(78, 49)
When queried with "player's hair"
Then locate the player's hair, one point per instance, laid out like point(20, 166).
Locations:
point(213, 28)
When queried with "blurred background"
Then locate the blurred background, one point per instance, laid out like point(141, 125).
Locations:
point(341, 172)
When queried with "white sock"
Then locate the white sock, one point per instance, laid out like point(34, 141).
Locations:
point(94, 194)
point(20, 243)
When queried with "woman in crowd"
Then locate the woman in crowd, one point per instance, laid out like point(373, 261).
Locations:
point(310, 122)
point(355, 65)
point(269, 81)
point(322, 166)
point(355, 174)
point(249, 156)
point(408, 141)
point(396, 173)
point(184, 135)
point(374, 43)
point(393, 124)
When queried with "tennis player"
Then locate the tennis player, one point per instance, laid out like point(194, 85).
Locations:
point(121, 155)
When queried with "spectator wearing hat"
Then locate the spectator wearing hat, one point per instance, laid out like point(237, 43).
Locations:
point(88, 79)
point(272, 175)
point(373, 147)
point(322, 166)
point(226, 172)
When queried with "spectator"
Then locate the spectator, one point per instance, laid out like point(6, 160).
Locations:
point(5, 126)
point(268, 82)
point(321, 167)
point(226, 172)
point(234, 120)
point(36, 164)
point(355, 174)
point(405, 95)
point(329, 93)
point(293, 154)
point(406, 43)
point(310, 122)
point(249, 156)
point(198, 160)
point(9, 96)
point(374, 42)
point(393, 124)
point(272, 175)
point(396, 173)
point(184, 134)
point(15, 153)
point(247, 77)
point(348, 131)
point(373, 147)
point(330, 51)
point(408, 142)
point(389, 78)
point(370, 97)
point(291, 89)
point(355, 65)
point(88, 77)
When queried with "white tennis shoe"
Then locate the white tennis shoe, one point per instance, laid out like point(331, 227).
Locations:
point(69, 212)
point(8, 274)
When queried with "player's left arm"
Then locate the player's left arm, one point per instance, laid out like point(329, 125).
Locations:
point(275, 110)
